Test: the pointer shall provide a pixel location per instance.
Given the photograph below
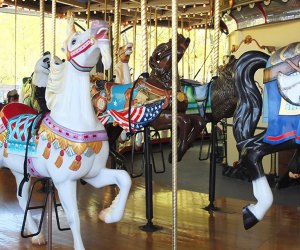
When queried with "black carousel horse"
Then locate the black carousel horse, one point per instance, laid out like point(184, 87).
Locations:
point(282, 82)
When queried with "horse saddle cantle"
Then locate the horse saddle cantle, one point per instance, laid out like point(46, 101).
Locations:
point(289, 87)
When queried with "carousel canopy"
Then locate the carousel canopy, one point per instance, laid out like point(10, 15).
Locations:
point(238, 14)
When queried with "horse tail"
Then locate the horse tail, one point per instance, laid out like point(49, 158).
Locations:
point(249, 100)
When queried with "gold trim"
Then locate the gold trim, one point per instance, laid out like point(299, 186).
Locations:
point(3, 136)
point(78, 147)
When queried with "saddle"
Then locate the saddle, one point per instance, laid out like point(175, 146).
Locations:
point(285, 69)
point(200, 90)
point(14, 109)
point(18, 119)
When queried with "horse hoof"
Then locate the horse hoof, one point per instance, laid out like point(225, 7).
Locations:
point(38, 240)
point(107, 216)
point(249, 218)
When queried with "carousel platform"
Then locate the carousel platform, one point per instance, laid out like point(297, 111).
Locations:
point(197, 228)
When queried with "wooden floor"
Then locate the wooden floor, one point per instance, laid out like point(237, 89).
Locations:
point(197, 229)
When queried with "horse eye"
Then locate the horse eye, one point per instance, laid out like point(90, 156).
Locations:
point(73, 41)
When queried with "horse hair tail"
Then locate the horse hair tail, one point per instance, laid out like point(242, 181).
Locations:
point(249, 100)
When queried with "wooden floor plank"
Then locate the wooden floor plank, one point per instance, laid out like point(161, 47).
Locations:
point(197, 229)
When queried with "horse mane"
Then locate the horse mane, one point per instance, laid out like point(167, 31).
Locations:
point(249, 105)
point(54, 85)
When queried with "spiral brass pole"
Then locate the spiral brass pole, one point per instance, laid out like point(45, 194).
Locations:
point(213, 154)
point(134, 42)
point(53, 26)
point(174, 122)
point(216, 37)
point(155, 18)
point(194, 66)
point(116, 32)
point(205, 39)
point(150, 30)
point(110, 70)
point(42, 27)
point(144, 35)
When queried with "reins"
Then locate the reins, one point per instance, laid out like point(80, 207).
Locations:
point(36, 128)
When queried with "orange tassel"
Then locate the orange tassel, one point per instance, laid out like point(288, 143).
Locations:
point(5, 150)
point(59, 159)
point(46, 153)
point(76, 163)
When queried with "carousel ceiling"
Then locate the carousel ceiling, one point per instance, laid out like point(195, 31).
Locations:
point(236, 14)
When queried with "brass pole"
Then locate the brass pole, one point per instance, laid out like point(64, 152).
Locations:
point(53, 26)
point(88, 14)
point(174, 122)
point(205, 44)
point(42, 27)
point(134, 42)
point(194, 66)
point(116, 33)
point(105, 11)
point(216, 37)
point(155, 17)
point(144, 35)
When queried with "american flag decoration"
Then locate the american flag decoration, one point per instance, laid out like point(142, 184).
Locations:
point(140, 116)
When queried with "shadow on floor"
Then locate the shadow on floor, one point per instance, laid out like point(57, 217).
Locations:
point(193, 175)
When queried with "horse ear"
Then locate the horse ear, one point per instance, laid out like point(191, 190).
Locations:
point(71, 26)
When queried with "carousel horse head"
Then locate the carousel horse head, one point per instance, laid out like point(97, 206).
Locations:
point(161, 59)
point(83, 49)
point(125, 52)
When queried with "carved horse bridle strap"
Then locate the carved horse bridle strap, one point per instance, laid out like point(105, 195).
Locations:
point(79, 50)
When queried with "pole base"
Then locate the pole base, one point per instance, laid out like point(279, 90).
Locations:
point(149, 227)
point(211, 208)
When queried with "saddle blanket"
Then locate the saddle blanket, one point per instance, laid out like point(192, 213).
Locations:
point(18, 132)
point(281, 127)
point(140, 116)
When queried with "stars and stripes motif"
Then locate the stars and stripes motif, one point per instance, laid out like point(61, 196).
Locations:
point(139, 117)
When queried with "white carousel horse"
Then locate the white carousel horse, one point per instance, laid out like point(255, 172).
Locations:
point(71, 143)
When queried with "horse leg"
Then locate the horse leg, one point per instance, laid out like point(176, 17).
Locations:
point(184, 125)
point(106, 177)
point(31, 225)
point(252, 153)
point(198, 124)
point(67, 195)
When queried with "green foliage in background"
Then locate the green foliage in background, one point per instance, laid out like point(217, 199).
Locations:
point(19, 51)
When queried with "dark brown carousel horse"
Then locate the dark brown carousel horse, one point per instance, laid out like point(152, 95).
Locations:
point(189, 126)
point(159, 85)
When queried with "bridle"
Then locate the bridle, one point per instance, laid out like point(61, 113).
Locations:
point(79, 50)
